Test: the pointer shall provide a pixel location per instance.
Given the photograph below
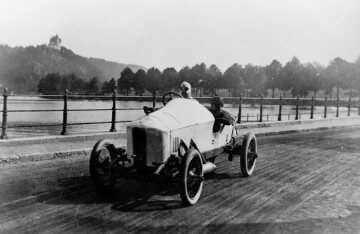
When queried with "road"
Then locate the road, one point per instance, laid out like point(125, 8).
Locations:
point(303, 183)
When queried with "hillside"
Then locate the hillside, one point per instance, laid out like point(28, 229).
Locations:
point(21, 68)
point(112, 69)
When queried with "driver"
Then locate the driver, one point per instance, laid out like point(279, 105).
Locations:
point(216, 109)
point(185, 89)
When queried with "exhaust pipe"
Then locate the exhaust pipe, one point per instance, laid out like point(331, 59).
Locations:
point(159, 169)
point(209, 167)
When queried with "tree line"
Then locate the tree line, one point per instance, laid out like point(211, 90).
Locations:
point(294, 77)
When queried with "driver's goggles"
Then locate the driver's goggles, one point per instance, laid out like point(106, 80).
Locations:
point(184, 88)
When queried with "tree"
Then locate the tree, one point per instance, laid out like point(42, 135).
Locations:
point(72, 83)
point(313, 77)
point(273, 73)
point(350, 78)
point(212, 79)
point(184, 74)
point(357, 75)
point(109, 86)
point(125, 81)
point(255, 80)
point(94, 86)
point(233, 79)
point(50, 84)
point(139, 82)
point(197, 76)
point(54, 83)
point(291, 77)
point(153, 82)
point(335, 73)
point(169, 79)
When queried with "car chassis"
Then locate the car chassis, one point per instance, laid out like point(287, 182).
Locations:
point(184, 165)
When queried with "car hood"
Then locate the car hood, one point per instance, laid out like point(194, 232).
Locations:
point(178, 113)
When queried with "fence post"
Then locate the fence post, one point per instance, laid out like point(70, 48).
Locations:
point(261, 108)
point(280, 108)
point(297, 108)
point(65, 112)
point(240, 110)
point(337, 106)
point(113, 115)
point(325, 108)
point(312, 108)
point(154, 100)
point(4, 115)
point(349, 106)
point(247, 117)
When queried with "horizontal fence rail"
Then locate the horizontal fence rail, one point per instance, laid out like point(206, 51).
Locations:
point(254, 102)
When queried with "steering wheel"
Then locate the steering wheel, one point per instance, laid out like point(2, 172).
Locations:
point(171, 97)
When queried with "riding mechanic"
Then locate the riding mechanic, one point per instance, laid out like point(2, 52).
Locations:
point(216, 109)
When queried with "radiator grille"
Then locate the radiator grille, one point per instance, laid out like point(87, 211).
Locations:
point(139, 148)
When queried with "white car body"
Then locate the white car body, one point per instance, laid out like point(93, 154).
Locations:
point(156, 136)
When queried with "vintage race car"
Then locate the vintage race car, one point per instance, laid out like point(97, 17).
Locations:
point(177, 143)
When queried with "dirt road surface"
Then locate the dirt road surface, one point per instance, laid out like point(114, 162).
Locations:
point(303, 183)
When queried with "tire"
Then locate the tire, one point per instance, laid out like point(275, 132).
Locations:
point(192, 178)
point(102, 176)
point(248, 155)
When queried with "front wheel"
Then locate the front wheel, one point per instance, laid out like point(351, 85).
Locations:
point(101, 173)
point(248, 155)
point(192, 178)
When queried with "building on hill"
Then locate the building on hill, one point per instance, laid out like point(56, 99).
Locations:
point(55, 42)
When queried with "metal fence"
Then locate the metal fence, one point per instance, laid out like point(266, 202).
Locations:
point(297, 103)
point(240, 101)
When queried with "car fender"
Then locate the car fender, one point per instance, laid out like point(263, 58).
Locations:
point(99, 144)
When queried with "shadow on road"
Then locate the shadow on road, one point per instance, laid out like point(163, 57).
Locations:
point(128, 195)
point(154, 200)
point(224, 175)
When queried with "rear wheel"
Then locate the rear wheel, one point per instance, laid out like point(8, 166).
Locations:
point(101, 173)
point(192, 178)
point(248, 155)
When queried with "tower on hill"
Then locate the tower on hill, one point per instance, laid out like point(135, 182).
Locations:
point(55, 42)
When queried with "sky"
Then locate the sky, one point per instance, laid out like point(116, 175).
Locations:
point(176, 33)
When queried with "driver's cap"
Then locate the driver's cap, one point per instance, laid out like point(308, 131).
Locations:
point(217, 102)
point(185, 87)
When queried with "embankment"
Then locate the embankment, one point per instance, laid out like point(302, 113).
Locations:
point(50, 147)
